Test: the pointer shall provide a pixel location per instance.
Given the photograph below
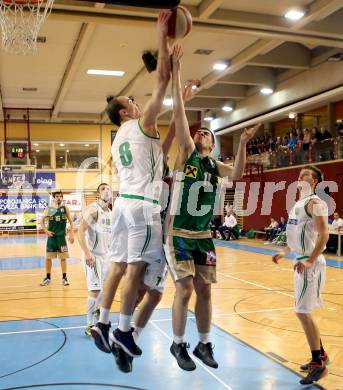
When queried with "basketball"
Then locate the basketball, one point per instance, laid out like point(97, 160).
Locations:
point(180, 23)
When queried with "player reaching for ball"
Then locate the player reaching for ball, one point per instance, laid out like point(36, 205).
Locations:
point(136, 224)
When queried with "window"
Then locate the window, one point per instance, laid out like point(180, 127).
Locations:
point(72, 155)
point(41, 155)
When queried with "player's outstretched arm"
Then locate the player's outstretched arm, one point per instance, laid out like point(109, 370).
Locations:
point(154, 105)
point(182, 133)
point(187, 93)
point(237, 171)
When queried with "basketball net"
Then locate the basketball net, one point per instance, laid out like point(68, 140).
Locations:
point(20, 24)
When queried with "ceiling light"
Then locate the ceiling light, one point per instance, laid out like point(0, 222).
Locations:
point(86, 145)
point(220, 65)
point(35, 144)
point(294, 14)
point(208, 117)
point(37, 151)
point(291, 115)
point(168, 101)
point(100, 72)
point(227, 108)
point(267, 91)
point(67, 151)
point(336, 57)
point(62, 145)
point(30, 89)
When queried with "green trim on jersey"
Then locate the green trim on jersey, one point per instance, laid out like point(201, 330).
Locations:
point(139, 197)
point(304, 287)
point(147, 239)
point(147, 135)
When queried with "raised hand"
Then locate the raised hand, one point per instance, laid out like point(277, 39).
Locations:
point(176, 56)
point(162, 22)
point(188, 91)
point(250, 133)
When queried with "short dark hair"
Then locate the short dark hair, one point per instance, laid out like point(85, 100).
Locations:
point(99, 186)
point(316, 172)
point(57, 193)
point(207, 129)
point(113, 108)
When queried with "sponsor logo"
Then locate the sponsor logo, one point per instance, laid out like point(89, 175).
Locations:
point(191, 171)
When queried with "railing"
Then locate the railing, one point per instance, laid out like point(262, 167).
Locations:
point(314, 152)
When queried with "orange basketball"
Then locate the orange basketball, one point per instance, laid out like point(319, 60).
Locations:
point(180, 23)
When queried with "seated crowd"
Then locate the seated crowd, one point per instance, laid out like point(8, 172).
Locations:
point(297, 140)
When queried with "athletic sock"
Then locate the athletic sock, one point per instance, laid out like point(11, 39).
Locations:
point(178, 339)
point(98, 301)
point(104, 315)
point(124, 322)
point(322, 351)
point(204, 337)
point(91, 307)
point(64, 276)
point(136, 333)
point(48, 276)
point(316, 357)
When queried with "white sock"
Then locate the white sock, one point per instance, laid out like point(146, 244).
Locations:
point(91, 307)
point(104, 315)
point(179, 339)
point(204, 337)
point(124, 322)
point(98, 300)
point(136, 333)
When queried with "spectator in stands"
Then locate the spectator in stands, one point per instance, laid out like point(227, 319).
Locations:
point(271, 144)
point(229, 225)
point(281, 228)
point(324, 133)
point(305, 146)
point(273, 226)
point(215, 224)
point(315, 134)
point(292, 143)
point(336, 225)
point(337, 222)
point(300, 135)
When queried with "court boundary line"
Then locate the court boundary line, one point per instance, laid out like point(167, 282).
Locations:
point(152, 321)
point(197, 361)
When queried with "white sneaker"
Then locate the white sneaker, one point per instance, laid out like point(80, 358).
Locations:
point(45, 282)
point(65, 282)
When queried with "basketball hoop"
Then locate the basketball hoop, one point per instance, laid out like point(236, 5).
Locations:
point(20, 24)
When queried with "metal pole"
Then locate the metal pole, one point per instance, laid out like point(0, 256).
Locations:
point(29, 134)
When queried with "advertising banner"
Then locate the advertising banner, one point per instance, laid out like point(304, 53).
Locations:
point(23, 203)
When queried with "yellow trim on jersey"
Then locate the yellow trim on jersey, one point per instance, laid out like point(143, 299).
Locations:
point(189, 233)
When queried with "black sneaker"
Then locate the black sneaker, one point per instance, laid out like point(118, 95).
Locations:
point(325, 358)
point(123, 360)
point(126, 341)
point(99, 333)
point(317, 371)
point(179, 351)
point(204, 352)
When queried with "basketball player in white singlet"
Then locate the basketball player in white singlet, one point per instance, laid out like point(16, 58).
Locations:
point(94, 237)
point(136, 229)
point(307, 234)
